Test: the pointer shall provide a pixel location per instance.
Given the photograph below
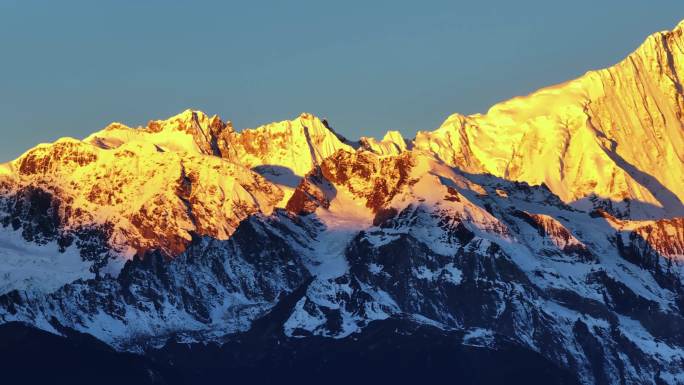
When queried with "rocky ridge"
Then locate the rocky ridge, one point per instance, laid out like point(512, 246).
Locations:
point(188, 232)
point(583, 131)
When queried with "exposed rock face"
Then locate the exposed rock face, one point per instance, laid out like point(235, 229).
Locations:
point(657, 246)
point(297, 145)
point(152, 196)
point(554, 232)
point(526, 225)
point(368, 176)
point(190, 131)
point(314, 191)
point(665, 237)
point(391, 144)
point(615, 134)
point(550, 277)
point(215, 287)
point(497, 258)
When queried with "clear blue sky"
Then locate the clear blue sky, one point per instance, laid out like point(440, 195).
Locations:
point(68, 68)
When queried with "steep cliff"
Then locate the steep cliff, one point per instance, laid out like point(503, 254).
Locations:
point(548, 225)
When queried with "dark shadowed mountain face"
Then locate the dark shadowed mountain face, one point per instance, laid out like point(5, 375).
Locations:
point(32, 356)
point(541, 243)
point(389, 351)
point(395, 351)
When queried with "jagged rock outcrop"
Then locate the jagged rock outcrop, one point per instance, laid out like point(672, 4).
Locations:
point(546, 223)
point(152, 195)
point(213, 288)
point(391, 144)
point(297, 145)
point(554, 231)
point(365, 175)
point(479, 263)
point(657, 246)
point(190, 131)
point(445, 248)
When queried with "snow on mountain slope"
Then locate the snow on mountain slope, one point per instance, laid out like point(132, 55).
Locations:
point(214, 288)
point(190, 131)
point(401, 236)
point(615, 134)
point(298, 144)
point(547, 221)
point(464, 251)
point(153, 193)
point(29, 266)
point(153, 187)
point(281, 151)
point(391, 144)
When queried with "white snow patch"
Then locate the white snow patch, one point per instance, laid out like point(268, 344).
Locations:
point(32, 267)
point(479, 337)
point(302, 319)
point(345, 217)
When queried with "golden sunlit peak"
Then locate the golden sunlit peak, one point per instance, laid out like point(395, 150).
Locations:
point(568, 128)
point(588, 135)
point(116, 126)
point(679, 26)
point(307, 116)
point(186, 117)
point(565, 203)
point(393, 136)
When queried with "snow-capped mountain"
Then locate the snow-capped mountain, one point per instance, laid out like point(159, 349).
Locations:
point(614, 135)
point(551, 224)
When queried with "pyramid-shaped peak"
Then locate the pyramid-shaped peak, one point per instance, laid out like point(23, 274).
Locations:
point(188, 119)
point(307, 116)
point(394, 137)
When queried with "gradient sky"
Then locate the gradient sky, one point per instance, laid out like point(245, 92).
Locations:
point(68, 68)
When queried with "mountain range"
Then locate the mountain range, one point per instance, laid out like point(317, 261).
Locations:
point(541, 242)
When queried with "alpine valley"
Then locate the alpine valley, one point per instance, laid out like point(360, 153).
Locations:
point(539, 243)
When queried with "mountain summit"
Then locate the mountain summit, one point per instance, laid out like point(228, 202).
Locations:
point(550, 226)
point(614, 135)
